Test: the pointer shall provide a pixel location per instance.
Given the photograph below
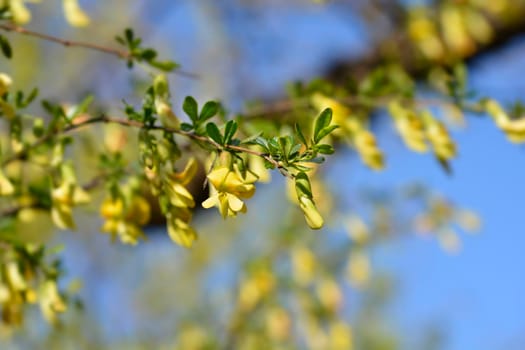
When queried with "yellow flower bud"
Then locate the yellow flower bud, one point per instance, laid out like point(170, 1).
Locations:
point(311, 214)
point(5, 83)
point(306, 203)
point(112, 208)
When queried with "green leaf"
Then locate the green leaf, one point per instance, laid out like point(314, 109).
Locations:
point(273, 145)
point(321, 122)
point(209, 109)
point(166, 66)
point(317, 160)
point(5, 46)
point(324, 149)
point(148, 54)
point(229, 131)
point(251, 139)
point(32, 95)
point(191, 108)
point(186, 127)
point(285, 145)
point(294, 151)
point(214, 133)
point(128, 33)
point(300, 134)
point(261, 141)
point(120, 40)
point(82, 107)
point(324, 132)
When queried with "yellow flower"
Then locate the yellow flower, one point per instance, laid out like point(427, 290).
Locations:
point(227, 188)
point(6, 187)
point(5, 83)
point(14, 276)
point(410, 127)
point(425, 34)
point(64, 198)
point(455, 32)
point(74, 14)
point(514, 129)
point(125, 221)
point(443, 146)
point(21, 14)
point(179, 230)
point(51, 303)
point(365, 143)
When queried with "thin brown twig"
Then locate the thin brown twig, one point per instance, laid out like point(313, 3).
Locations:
point(191, 135)
point(122, 54)
point(133, 123)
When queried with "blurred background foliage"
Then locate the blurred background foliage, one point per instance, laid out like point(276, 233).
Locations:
point(263, 280)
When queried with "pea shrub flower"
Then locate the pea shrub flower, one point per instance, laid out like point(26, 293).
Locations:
point(228, 188)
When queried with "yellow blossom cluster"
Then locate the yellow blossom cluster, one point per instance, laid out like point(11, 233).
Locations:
point(18, 287)
point(65, 196)
point(456, 29)
point(418, 129)
point(181, 201)
point(124, 217)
